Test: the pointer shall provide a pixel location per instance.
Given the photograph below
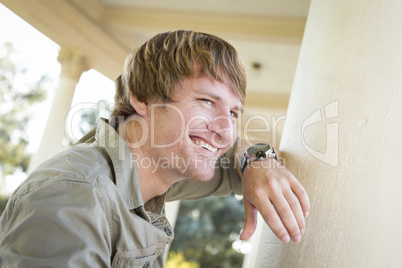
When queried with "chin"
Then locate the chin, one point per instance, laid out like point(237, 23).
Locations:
point(199, 166)
point(200, 174)
point(203, 178)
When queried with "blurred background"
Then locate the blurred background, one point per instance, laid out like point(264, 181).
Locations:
point(58, 61)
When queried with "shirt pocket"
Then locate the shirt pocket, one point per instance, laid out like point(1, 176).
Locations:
point(144, 258)
point(145, 262)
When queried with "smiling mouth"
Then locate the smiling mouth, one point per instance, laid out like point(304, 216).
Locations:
point(205, 145)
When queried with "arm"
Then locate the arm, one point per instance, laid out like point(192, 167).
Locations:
point(268, 187)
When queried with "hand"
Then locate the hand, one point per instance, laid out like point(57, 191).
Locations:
point(281, 200)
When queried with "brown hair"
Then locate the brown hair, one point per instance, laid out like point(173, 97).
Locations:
point(157, 67)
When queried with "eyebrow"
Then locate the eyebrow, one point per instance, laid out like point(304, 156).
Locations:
point(239, 107)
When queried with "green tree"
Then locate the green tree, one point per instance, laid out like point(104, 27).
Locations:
point(177, 260)
point(206, 229)
point(16, 101)
point(15, 113)
point(89, 117)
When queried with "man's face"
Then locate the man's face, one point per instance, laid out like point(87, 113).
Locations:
point(191, 133)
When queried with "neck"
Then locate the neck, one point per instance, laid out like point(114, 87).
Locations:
point(154, 180)
point(150, 183)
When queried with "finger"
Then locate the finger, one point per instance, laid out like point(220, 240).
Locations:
point(271, 217)
point(250, 213)
point(288, 218)
point(302, 195)
point(294, 204)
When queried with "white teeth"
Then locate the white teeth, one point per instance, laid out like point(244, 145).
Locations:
point(206, 146)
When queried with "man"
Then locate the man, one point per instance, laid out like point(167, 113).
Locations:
point(171, 136)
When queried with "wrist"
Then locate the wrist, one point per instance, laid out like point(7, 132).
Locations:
point(257, 153)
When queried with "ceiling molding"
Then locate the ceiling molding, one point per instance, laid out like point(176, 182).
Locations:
point(151, 20)
point(69, 27)
point(93, 8)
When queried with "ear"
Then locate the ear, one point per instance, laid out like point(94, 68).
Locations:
point(140, 107)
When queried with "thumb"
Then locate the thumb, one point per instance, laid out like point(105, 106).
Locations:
point(250, 213)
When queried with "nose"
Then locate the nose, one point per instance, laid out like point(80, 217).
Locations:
point(223, 130)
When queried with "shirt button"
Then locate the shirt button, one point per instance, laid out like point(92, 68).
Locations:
point(168, 231)
point(146, 265)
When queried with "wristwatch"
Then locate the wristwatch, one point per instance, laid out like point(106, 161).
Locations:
point(257, 152)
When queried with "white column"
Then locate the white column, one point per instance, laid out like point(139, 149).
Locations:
point(342, 138)
point(172, 212)
point(250, 258)
point(73, 64)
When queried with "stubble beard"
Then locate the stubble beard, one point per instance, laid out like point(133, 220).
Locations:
point(200, 167)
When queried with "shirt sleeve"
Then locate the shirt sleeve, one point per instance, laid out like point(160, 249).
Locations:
point(225, 181)
point(49, 228)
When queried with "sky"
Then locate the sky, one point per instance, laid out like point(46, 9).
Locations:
point(38, 54)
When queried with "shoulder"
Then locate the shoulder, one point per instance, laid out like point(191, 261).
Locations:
point(78, 173)
point(57, 193)
point(79, 161)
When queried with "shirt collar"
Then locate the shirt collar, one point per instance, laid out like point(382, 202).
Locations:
point(126, 176)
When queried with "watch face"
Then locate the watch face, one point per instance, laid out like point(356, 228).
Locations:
point(257, 152)
point(259, 149)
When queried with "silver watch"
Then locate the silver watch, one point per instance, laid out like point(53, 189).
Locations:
point(257, 152)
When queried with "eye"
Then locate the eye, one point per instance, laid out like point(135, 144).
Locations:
point(207, 102)
point(234, 114)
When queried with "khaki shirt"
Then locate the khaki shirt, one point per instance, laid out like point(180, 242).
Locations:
point(83, 208)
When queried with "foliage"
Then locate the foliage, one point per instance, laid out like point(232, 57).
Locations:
point(16, 99)
point(3, 203)
point(206, 229)
point(177, 260)
point(89, 118)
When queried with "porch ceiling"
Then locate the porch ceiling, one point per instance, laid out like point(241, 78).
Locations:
point(267, 33)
